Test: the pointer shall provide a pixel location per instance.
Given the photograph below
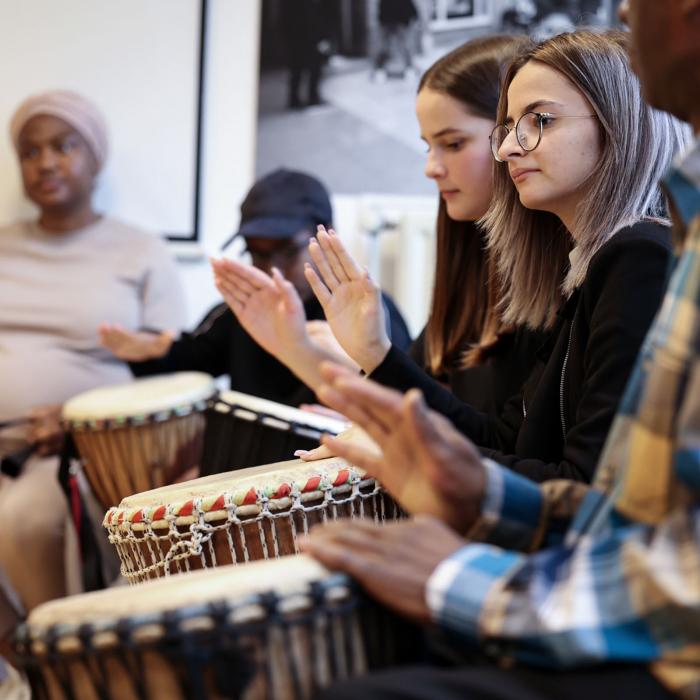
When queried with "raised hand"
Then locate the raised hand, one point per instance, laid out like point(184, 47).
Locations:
point(134, 346)
point(268, 308)
point(351, 301)
point(393, 562)
point(425, 464)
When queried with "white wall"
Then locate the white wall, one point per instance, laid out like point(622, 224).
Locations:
point(137, 60)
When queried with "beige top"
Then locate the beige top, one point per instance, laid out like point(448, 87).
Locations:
point(56, 288)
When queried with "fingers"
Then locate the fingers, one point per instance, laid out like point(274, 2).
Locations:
point(286, 291)
point(359, 414)
point(352, 270)
point(320, 452)
point(323, 266)
point(319, 289)
point(383, 404)
point(358, 455)
point(324, 241)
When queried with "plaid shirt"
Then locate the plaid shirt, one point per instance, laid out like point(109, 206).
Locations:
point(608, 573)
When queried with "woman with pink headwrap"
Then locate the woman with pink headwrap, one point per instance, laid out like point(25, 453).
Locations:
point(61, 275)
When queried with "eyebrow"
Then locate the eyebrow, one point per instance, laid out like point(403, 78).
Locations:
point(29, 140)
point(533, 106)
point(447, 131)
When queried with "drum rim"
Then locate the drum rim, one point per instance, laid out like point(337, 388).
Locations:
point(79, 418)
point(241, 609)
point(228, 401)
point(223, 500)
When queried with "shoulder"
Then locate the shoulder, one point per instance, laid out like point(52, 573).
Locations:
point(642, 236)
point(640, 245)
point(128, 234)
point(147, 247)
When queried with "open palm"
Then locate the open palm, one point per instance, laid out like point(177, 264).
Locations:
point(268, 308)
point(351, 301)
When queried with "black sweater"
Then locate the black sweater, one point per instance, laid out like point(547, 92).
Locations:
point(485, 387)
point(556, 425)
point(220, 346)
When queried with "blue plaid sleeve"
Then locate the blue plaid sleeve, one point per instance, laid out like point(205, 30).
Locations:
point(628, 595)
point(511, 511)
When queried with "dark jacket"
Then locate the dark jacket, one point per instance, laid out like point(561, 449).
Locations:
point(556, 425)
point(485, 387)
point(220, 345)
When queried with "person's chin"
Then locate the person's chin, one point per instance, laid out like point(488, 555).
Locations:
point(460, 211)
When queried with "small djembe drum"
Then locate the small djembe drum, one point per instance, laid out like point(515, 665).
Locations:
point(244, 430)
point(249, 514)
point(141, 435)
point(273, 630)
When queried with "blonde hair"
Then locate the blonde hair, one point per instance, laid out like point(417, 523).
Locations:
point(531, 248)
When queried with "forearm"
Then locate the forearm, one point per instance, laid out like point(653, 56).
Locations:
point(305, 359)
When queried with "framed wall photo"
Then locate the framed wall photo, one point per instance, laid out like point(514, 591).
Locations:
point(142, 63)
point(338, 79)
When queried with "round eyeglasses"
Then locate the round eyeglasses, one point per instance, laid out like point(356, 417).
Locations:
point(528, 130)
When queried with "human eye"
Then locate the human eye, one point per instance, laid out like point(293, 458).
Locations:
point(546, 119)
point(454, 144)
point(65, 146)
point(28, 153)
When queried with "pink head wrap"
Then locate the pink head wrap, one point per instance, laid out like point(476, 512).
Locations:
point(73, 109)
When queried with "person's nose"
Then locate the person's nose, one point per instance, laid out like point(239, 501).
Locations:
point(47, 158)
point(434, 167)
point(510, 148)
point(623, 12)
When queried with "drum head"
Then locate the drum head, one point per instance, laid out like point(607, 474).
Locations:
point(234, 584)
point(141, 397)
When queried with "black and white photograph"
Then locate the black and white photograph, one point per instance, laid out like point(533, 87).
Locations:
point(338, 78)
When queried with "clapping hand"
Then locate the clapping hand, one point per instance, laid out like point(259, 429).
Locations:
point(351, 301)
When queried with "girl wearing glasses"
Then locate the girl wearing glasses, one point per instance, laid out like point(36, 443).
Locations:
point(456, 108)
point(577, 247)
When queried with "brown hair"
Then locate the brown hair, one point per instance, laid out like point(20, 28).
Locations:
point(531, 248)
point(462, 295)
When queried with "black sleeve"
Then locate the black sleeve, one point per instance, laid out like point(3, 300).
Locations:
point(626, 291)
point(417, 350)
point(399, 371)
point(396, 326)
point(206, 349)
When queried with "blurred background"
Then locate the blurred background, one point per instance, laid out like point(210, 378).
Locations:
point(203, 96)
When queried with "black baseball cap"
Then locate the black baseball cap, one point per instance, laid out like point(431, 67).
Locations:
point(283, 203)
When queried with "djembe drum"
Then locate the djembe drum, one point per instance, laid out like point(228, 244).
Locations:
point(244, 430)
point(249, 514)
point(141, 435)
point(274, 630)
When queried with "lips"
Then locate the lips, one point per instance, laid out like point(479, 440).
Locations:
point(446, 194)
point(519, 174)
point(49, 185)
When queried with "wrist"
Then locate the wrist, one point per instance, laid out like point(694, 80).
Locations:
point(374, 355)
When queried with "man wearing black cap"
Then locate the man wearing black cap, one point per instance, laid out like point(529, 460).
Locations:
point(278, 217)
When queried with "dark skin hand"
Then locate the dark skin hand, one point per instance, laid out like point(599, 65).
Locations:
point(45, 429)
point(392, 561)
point(425, 463)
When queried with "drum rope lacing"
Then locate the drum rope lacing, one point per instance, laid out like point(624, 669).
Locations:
point(196, 541)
